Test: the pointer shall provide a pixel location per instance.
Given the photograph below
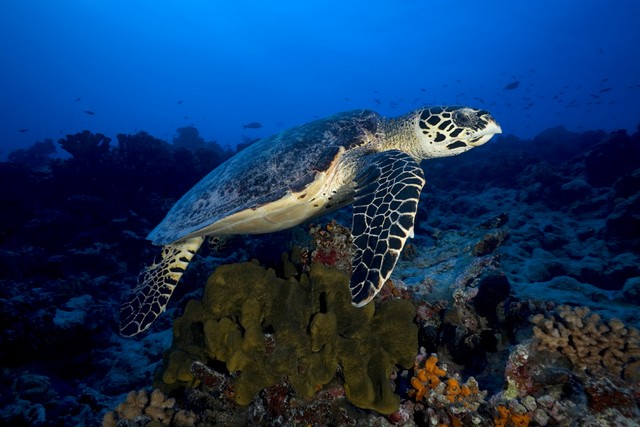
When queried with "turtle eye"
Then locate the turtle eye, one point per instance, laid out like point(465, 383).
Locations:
point(465, 118)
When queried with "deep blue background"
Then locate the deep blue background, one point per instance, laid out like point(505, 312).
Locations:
point(158, 65)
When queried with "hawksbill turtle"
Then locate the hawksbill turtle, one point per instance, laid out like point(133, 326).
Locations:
point(281, 181)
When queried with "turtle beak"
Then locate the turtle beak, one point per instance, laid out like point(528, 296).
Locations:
point(492, 128)
point(496, 127)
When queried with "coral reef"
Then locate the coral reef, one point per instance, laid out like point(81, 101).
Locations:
point(507, 416)
point(592, 346)
point(265, 328)
point(88, 150)
point(36, 157)
point(448, 400)
point(142, 408)
point(72, 242)
point(575, 364)
point(332, 246)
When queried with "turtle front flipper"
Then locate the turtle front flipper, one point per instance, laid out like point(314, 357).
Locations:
point(155, 286)
point(386, 201)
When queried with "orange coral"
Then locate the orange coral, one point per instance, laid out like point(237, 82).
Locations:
point(507, 418)
point(455, 422)
point(426, 378)
point(503, 416)
point(455, 391)
point(446, 394)
point(430, 378)
point(520, 420)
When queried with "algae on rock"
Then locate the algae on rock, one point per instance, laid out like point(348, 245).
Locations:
point(265, 328)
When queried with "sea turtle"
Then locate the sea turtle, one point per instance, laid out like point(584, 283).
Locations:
point(278, 182)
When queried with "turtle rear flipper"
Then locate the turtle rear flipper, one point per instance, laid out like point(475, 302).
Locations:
point(155, 286)
point(386, 201)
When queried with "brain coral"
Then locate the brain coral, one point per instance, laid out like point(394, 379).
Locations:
point(265, 328)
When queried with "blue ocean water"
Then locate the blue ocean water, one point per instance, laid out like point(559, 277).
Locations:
point(157, 66)
point(112, 110)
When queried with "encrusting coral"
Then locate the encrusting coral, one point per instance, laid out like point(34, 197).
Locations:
point(591, 345)
point(333, 246)
point(265, 328)
point(509, 417)
point(141, 408)
point(440, 391)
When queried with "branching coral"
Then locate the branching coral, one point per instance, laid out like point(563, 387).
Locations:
point(141, 408)
point(591, 345)
point(87, 149)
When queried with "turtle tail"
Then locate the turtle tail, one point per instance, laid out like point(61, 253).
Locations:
point(155, 286)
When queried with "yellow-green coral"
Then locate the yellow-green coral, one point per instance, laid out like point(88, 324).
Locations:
point(266, 328)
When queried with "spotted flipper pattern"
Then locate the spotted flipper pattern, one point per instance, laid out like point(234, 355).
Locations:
point(386, 201)
point(155, 286)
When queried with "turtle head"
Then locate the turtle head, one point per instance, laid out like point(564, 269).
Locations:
point(447, 131)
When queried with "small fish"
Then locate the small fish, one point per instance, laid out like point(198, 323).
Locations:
point(423, 89)
point(512, 85)
point(479, 99)
point(252, 125)
point(377, 101)
point(606, 89)
point(78, 99)
point(23, 130)
point(89, 112)
point(179, 102)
